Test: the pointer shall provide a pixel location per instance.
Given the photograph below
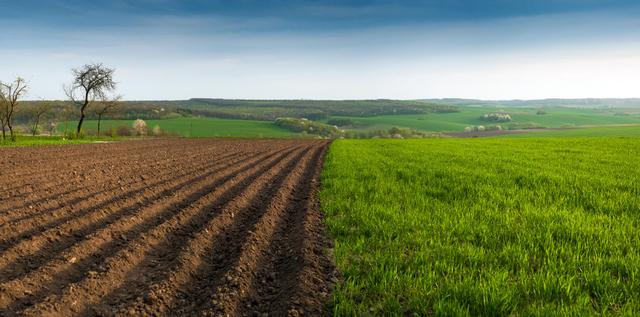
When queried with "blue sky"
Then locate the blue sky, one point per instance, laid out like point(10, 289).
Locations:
point(167, 49)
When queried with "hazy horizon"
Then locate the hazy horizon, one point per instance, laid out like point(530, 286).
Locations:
point(331, 50)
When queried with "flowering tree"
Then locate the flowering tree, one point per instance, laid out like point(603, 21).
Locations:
point(140, 126)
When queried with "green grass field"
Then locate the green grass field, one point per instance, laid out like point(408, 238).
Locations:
point(24, 140)
point(609, 131)
point(490, 227)
point(468, 116)
point(199, 127)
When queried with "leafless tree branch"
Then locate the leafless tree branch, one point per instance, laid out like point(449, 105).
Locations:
point(92, 82)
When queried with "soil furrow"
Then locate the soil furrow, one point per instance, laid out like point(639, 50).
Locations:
point(83, 191)
point(154, 159)
point(295, 273)
point(49, 242)
point(192, 259)
point(88, 253)
point(100, 205)
point(124, 265)
point(49, 167)
point(231, 276)
point(171, 227)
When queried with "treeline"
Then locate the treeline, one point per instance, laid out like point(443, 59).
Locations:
point(265, 110)
point(269, 110)
point(392, 133)
point(91, 91)
point(311, 109)
point(306, 126)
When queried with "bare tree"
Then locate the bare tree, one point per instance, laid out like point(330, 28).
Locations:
point(104, 107)
point(91, 82)
point(10, 93)
point(39, 110)
point(3, 123)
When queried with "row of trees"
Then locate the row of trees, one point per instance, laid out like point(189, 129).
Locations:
point(92, 87)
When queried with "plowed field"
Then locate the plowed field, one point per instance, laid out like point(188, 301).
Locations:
point(163, 227)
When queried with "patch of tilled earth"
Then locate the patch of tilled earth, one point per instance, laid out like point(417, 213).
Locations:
point(164, 228)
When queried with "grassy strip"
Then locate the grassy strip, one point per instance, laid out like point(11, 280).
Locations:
point(48, 140)
point(485, 226)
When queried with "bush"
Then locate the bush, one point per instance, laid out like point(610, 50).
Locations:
point(157, 131)
point(140, 127)
point(72, 135)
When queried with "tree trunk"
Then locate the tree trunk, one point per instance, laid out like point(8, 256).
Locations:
point(13, 136)
point(84, 106)
point(35, 125)
point(99, 119)
point(80, 124)
point(4, 133)
point(35, 128)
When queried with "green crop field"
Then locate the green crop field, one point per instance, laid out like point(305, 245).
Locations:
point(468, 116)
point(611, 131)
point(24, 140)
point(198, 127)
point(485, 226)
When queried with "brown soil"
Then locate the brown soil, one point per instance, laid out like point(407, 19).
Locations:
point(164, 228)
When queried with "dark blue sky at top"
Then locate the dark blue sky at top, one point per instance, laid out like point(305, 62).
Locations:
point(296, 15)
point(352, 49)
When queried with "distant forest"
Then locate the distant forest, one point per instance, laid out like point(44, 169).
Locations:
point(574, 103)
point(241, 109)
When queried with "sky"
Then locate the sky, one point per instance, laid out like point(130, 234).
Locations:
point(286, 49)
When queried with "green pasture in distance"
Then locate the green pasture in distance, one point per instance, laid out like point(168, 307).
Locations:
point(611, 131)
point(198, 127)
point(485, 227)
point(470, 116)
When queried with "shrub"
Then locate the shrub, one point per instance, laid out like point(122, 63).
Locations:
point(72, 135)
point(157, 131)
point(140, 127)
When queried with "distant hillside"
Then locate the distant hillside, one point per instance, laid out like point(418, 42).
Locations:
point(576, 103)
point(311, 109)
